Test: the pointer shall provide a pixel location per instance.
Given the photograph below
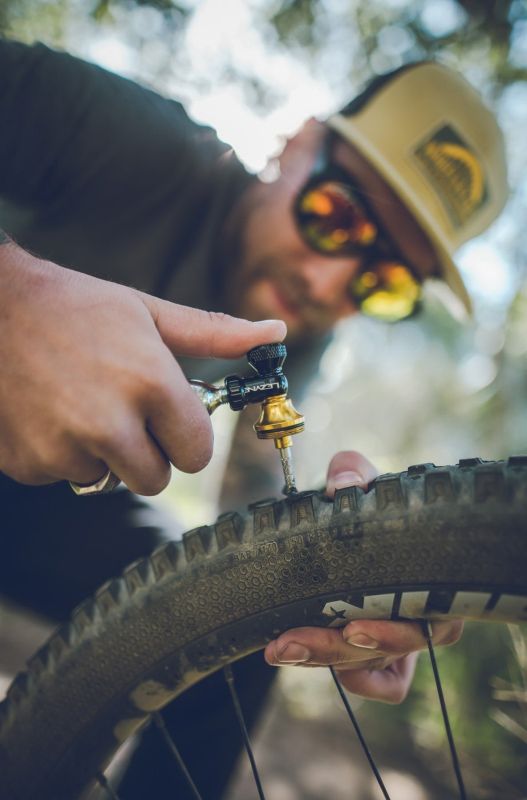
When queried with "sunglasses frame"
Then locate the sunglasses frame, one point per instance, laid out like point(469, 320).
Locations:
point(383, 247)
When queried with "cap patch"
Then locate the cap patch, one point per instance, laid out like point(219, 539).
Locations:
point(456, 173)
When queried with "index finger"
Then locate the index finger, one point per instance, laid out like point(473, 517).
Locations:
point(209, 334)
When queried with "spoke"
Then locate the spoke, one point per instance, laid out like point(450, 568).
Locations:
point(229, 677)
point(453, 752)
point(103, 781)
point(360, 737)
point(160, 724)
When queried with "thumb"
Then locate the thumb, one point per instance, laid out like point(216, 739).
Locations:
point(209, 334)
point(349, 468)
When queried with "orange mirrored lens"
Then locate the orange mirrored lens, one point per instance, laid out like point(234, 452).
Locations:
point(332, 219)
point(388, 291)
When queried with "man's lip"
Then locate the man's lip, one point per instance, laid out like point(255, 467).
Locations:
point(292, 309)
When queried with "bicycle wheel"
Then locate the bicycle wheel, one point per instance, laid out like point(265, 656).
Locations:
point(431, 542)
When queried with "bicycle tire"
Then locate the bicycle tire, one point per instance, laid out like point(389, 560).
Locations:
point(434, 542)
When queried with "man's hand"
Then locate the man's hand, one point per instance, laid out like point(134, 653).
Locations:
point(89, 378)
point(374, 658)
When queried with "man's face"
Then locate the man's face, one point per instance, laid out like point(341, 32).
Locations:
point(279, 275)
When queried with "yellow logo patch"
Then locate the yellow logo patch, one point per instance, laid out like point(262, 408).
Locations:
point(455, 172)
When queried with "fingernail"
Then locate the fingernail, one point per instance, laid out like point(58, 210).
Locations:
point(362, 640)
point(347, 479)
point(293, 653)
point(342, 480)
point(269, 321)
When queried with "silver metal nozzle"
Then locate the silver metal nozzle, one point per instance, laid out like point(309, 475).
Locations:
point(286, 457)
point(211, 396)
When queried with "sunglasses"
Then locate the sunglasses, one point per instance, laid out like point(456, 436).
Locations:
point(335, 219)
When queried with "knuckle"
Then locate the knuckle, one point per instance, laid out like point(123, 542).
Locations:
point(49, 458)
point(106, 433)
point(217, 321)
point(101, 441)
point(218, 317)
point(145, 373)
point(329, 639)
point(22, 473)
point(151, 379)
point(334, 656)
point(36, 467)
point(156, 387)
point(95, 433)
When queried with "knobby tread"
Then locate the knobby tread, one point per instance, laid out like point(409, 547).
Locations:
point(414, 544)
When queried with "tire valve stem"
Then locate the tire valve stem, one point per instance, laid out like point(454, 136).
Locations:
point(278, 420)
point(286, 457)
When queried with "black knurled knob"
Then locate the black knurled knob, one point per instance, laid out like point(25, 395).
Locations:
point(267, 358)
point(234, 387)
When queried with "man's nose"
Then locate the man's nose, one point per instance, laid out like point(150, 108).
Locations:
point(328, 280)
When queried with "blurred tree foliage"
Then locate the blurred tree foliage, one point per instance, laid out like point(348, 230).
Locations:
point(385, 31)
point(468, 24)
point(451, 391)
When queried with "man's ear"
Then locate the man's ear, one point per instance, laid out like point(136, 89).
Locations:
point(297, 157)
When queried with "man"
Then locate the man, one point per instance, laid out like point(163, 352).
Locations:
point(105, 181)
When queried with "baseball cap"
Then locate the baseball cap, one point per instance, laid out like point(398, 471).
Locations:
point(428, 133)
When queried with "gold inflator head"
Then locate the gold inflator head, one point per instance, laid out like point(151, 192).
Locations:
point(278, 420)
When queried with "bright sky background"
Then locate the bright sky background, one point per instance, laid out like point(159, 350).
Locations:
point(215, 30)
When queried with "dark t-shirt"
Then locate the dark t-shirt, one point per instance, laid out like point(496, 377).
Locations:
point(107, 177)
